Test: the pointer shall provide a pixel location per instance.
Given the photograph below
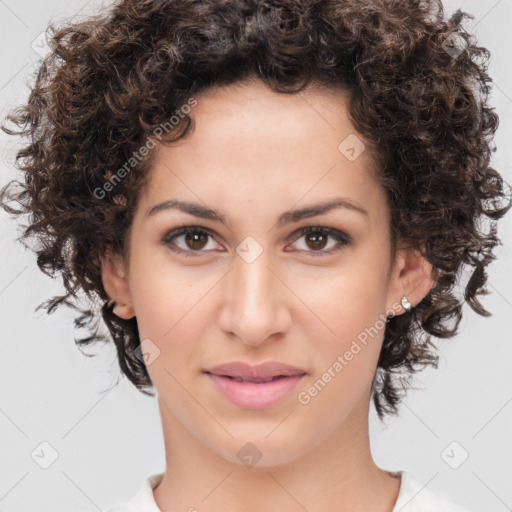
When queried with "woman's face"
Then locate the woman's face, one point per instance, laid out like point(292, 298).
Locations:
point(253, 288)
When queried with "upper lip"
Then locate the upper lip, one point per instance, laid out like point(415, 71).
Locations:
point(260, 371)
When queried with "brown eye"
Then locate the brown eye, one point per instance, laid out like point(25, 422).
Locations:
point(316, 239)
point(197, 240)
point(191, 240)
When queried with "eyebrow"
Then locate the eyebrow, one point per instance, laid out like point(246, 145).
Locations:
point(290, 216)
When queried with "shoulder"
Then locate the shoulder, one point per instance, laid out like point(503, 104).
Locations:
point(144, 499)
point(415, 497)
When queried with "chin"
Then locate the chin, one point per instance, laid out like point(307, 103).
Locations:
point(253, 448)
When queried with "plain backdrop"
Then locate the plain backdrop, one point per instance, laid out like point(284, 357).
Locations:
point(58, 407)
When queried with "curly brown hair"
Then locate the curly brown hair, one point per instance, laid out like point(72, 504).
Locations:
point(418, 87)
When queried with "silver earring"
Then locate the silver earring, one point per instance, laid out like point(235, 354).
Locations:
point(406, 304)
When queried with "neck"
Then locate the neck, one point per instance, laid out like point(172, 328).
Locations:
point(338, 474)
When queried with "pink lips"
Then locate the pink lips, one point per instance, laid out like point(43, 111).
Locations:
point(254, 387)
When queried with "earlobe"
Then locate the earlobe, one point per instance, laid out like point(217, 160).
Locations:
point(115, 282)
point(413, 278)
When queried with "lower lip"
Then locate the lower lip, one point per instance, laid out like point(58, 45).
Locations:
point(253, 395)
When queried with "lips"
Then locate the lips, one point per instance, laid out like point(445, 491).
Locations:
point(265, 372)
point(255, 387)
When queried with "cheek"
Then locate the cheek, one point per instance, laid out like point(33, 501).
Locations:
point(347, 301)
point(161, 294)
point(348, 339)
point(172, 305)
point(345, 353)
point(161, 310)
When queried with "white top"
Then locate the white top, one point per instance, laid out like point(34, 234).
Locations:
point(411, 498)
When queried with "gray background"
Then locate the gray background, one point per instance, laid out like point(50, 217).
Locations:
point(109, 442)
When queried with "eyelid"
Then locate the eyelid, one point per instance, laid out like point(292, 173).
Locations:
point(305, 230)
point(340, 237)
point(169, 236)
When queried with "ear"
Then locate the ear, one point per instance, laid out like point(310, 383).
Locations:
point(115, 282)
point(412, 275)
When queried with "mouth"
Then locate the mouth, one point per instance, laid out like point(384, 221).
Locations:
point(264, 372)
point(255, 392)
point(256, 381)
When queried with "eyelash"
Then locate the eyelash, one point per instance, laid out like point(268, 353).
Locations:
point(340, 237)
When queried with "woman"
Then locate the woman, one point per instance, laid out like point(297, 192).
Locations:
point(273, 201)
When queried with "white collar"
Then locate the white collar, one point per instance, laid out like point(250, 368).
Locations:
point(413, 497)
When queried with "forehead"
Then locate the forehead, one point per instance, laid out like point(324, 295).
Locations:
point(252, 112)
point(251, 144)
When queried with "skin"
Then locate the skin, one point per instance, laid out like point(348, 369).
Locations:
point(253, 155)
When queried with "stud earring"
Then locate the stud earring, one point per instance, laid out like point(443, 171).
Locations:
point(406, 304)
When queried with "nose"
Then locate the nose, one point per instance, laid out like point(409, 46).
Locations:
point(254, 308)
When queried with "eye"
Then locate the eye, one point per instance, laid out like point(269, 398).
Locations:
point(195, 240)
point(316, 238)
